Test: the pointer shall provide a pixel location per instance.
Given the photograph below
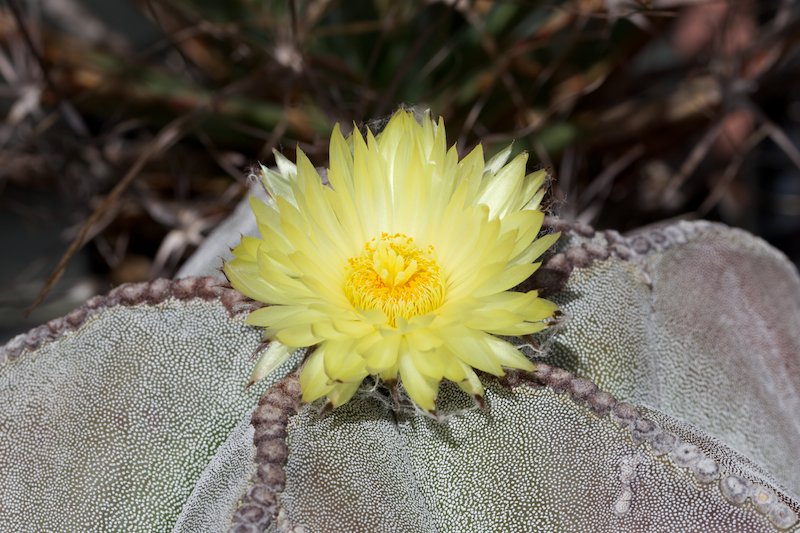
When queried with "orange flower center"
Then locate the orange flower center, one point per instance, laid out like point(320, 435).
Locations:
point(395, 276)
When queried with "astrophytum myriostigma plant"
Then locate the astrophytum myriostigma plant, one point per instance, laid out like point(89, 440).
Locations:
point(402, 266)
point(668, 402)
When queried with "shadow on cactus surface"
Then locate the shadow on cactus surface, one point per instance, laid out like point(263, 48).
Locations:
point(668, 403)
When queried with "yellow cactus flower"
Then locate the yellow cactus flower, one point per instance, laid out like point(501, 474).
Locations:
point(401, 267)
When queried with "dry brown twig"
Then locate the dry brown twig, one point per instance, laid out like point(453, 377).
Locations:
point(68, 111)
point(599, 189)
point(732, 169)
point(169, 135)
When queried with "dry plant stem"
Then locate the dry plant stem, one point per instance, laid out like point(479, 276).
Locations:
point(169, 135)
point(295, 22)
point(732, 169)
point(648, 10)
point(7, 69)
point(72, 117)
point(542, 119)
point(471, 118)
point(544, 157)
point(100, 224)
point(275, 136)
point(386, 25)
point(783, 15)
point(170, 36)
point(388, 96)
point(566, 173)
point(780, 138)
point(309, 75)
point(695, 157)
point(601, 185)
point(492, 50)
point(577, 27)
point(219, 158)
point(597, 192)
point(775, 133)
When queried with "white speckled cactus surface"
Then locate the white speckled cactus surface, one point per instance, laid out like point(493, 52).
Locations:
point(668, 400)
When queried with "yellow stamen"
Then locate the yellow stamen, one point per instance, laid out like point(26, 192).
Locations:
point(393, 275)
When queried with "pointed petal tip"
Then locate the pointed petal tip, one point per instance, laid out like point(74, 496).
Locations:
point(260, 348)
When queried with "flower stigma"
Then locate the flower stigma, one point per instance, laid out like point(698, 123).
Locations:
point(395, 276)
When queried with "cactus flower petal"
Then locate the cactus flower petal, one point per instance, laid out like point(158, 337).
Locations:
point(402, 266)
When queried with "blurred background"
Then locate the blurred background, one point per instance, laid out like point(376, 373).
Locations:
point(129, 126)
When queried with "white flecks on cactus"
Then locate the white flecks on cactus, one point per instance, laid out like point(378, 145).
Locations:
point(726, 317)
point(538, 461)
point(221, 484)
point(701, 323)
point(109, 427)
point(116, 421)
point(607, 337)
point(352, 472)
